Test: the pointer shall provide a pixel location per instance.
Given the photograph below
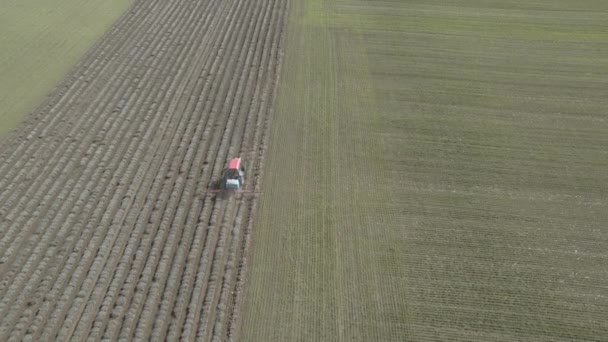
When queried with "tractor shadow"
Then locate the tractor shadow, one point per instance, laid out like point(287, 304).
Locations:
point(221, 192)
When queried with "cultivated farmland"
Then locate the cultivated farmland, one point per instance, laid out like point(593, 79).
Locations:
point(107, 230)
point(439, 173)
point(433, 171)
point(39, 41)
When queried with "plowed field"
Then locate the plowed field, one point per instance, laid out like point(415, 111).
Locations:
point(107, 229)
point(39, 42)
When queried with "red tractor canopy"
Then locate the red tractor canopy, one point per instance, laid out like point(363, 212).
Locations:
point(234, 164)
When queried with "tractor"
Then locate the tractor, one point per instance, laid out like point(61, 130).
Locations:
point(233, 176)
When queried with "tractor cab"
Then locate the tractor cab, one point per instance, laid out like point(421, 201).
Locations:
point(234, 175)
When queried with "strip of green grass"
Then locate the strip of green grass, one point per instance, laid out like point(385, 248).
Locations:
point(436, 172)
point(39, 41)
point(327, 264)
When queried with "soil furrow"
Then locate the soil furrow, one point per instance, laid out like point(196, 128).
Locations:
point(75, 146)
point(62, 112)
point(162, 319)
point(211, 301)
point(236, 108)
point(134, 267)
point(142, 130)
point(127, 227)
point(118, 277)
point(224, 94)
point(97, 61)
point(107, 228)
point(217, 60)
point(172, 109)
point(260, 141)
point(81, 180)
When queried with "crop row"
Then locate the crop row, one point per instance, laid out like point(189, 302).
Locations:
point(106, 227)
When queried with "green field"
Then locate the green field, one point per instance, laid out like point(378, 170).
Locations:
point(39, 41)
point(436, 172)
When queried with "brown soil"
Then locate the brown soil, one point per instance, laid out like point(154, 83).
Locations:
point(106, 226)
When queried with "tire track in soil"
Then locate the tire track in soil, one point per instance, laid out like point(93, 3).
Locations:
point(106, 228)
